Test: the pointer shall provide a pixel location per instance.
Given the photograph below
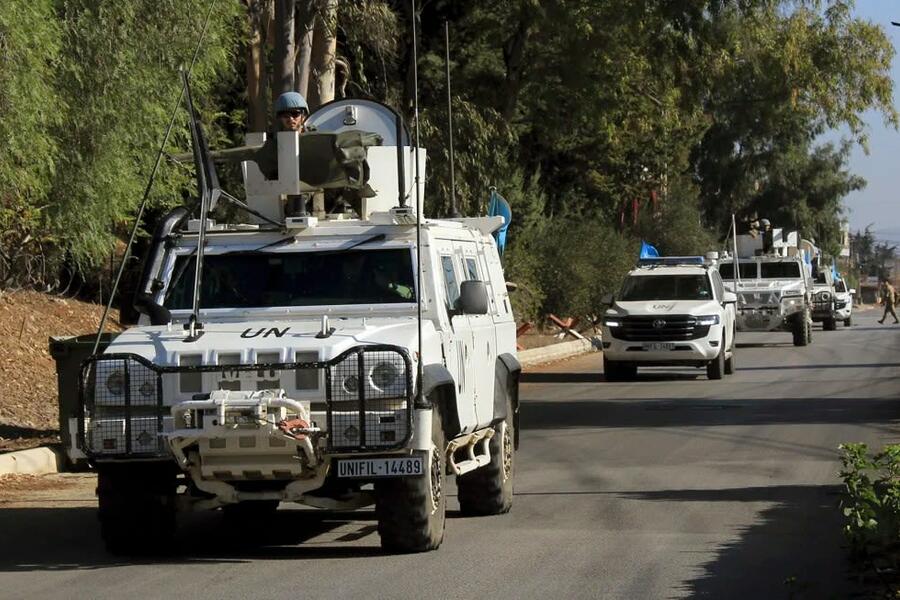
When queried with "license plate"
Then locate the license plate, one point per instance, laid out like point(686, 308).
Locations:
point(658, 346)
point(381, 467)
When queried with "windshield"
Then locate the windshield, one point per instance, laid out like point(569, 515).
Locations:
point(746, 270)
point(666, 287)
point(821, 278)
point(780, 270)
point(295, 279)
point(839, 286)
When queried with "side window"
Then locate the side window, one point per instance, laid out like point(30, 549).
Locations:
point(472, 269)
point(450, 282)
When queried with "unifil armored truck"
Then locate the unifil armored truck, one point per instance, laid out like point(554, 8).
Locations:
point(336, 360)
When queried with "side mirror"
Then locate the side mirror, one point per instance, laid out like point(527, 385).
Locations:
point(159, 315)
point(608, 300)
point(473, 298)
point(852, 291)
point(511, 287)
point(729, 298)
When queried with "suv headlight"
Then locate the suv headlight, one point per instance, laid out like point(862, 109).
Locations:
point(612, 321)
point(708, 320)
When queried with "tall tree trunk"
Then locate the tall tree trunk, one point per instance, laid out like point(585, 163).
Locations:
point(324, 49)
point(283, 80)
point(257, 72)
point(514, 57)
point(305, 19)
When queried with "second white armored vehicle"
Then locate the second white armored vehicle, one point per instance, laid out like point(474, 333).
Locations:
point(336, 362)
point(773, 289)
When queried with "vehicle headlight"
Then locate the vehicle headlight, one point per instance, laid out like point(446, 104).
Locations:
point(350, 384)
point(612, 322)
point(147, 389)
point(115, 383)
point(708, 320)
point(385, 375)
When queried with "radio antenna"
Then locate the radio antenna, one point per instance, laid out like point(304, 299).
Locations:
point(419, 367)
point(153, 171)
point(454, 210)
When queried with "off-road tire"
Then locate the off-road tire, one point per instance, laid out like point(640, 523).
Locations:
point(716, 367)
point(136, 508)
point(848, 322)
point(411, 511)
point(829, 325)
point(801, 331)
point(489, 489)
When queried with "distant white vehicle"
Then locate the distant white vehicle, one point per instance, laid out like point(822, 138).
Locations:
point(843, 302)
point(670, 311)
point(824, 303)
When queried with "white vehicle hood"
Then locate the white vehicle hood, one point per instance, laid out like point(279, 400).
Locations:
point(666, 307)
point(163, 345)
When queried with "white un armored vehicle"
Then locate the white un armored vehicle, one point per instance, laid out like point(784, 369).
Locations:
point(773, 285)
point(312, 360)
point(672, 310)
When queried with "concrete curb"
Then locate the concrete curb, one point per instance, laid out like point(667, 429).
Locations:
point(36, 461)
point(554, 352)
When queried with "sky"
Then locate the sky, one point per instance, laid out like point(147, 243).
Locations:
point(878, 204)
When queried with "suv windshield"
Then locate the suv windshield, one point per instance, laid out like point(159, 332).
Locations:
point(839, 286)
point(821, 278)
point(245, 280)
point(746, 270)
point(780, 270)
point(666, 287)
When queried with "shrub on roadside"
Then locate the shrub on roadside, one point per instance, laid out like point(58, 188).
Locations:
point(871, 508)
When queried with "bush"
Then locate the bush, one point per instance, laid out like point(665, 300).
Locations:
point(567, 265)
point(871, 507)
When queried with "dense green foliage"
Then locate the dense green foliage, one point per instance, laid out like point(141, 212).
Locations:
point(601, 122)
point(871, 257)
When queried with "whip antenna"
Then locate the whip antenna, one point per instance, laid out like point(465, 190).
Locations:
point(150, 181)
point(420, 369)
point(454, 211)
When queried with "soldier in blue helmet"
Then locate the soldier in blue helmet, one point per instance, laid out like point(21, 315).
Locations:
point(291, 110)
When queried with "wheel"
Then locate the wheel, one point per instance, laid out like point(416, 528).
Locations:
point(136, 508)
point(489, 490)
point(411, 511)
point(848, 322)
point(612, 370)
point(730, 363)
point(801, 331)
point(829, 325)
point(716, 367)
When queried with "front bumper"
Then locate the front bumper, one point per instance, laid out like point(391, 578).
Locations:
point(760, 319)
point(695, 352)
point(125, 409)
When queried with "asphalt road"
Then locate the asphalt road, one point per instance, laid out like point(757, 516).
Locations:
point(669, 487)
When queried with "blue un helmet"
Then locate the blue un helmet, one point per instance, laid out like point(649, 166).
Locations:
point(291, 101)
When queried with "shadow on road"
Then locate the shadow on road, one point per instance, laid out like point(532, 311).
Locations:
point(62, 539)
point(794, 549)
point(14, 432)
point(694, 412)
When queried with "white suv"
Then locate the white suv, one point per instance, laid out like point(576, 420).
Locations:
point(670, 311)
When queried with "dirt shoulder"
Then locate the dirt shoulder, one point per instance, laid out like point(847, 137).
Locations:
point(28, 399)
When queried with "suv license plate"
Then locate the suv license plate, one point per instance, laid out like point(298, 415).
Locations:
point(381, 467)
point(658, 346)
